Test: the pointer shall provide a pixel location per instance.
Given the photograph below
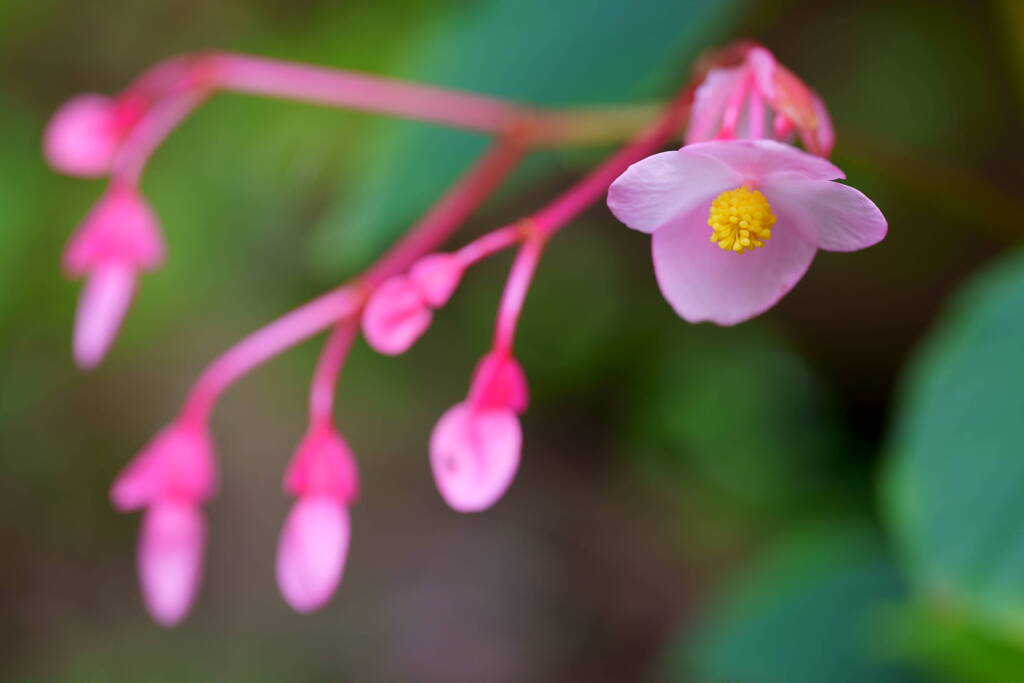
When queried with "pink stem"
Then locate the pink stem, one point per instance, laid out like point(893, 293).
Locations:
point(328, 367)
point(162, 118)
point(274, 78)
point(468, 193)
point(516, 287)
point(755, 115)
point(488, 244)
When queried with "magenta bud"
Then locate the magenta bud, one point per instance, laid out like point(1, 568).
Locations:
point(474, 455)
point(170, 558)
point(499, 382)
point(312, 550)
point(396, 315)
point(176, 464)
point(323, 465)
point(82, 136)
point(436, 276)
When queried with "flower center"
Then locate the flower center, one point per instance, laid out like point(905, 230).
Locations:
point(741, 220)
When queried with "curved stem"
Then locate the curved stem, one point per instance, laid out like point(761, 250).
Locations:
point(328, 367)
point(516, 287)
point(345, 301)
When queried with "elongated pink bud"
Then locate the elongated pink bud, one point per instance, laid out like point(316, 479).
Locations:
point(436, 276)
point(396, 315)
point(170, 558)
point(474, 455)
point(82, 136)
point(312, 550)
point(101, 308)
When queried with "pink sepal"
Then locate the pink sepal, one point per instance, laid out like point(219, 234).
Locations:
point(177, 464)
point(120, 228)
point(323, 465)
point(499, 382)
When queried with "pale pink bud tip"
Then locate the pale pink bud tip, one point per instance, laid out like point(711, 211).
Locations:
point(170, 559)
point(474, 455)
point(176, 464)
point(312, 550)
point(395, 317)
point(101, 309)
point(499, 382)
point(436, 276)
point(82, 137)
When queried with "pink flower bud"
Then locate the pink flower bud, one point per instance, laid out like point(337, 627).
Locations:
point(312, 550)
point(118, 238)
point(170, 558)
point(82, 136)
point(396, 315)
point(474, 455)
point(176, 464)
point(436, 276)
point(499, 382)
point(323, 465)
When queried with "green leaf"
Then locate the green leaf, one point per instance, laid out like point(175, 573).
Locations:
point(562, 53)
point(806, 613)
point(955, 487)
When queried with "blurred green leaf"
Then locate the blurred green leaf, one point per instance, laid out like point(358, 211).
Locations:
point(565, 53)
point(955, 489)
point(803, 614)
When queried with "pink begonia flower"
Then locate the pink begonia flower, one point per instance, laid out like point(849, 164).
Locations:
point(314, 541)
point(475, 446)
point(759, 98)
point(119, 238)
point(171, 477)
point(399, 310)
point(84, 135)
point(769, 206)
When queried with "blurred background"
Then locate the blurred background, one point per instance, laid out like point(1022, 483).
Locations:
point(832, 492)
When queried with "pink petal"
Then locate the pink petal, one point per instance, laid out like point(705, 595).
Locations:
point(709, 103)
point(499, 382)
point(170, 559)
point(824, 136)
point(752, 160)
point(762, 64)
point(436, 276)
point(81, 137)
point(474, 456)
point(395, 317)
point(323, 465)
point(836, 217)
point(664, 186)
point(177, 464)
point(703, 282)
point(311, 552)
point(101, 308)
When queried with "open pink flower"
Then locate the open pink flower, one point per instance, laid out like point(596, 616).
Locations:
point(314, 541)
point(119, 238)
point(170, 478)
point(759, 98)
point(475, 447)
point(736, 224)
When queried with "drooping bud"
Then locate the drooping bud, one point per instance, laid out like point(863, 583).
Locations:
point(499, 382)
point(177, 464)
point(85, 133)
point(436, 276)
point(312, 550)
point(119, 238)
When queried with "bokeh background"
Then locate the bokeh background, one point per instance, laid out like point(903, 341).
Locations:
point(833, 492)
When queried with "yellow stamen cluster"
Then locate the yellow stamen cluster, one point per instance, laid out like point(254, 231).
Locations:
point(741, 220)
